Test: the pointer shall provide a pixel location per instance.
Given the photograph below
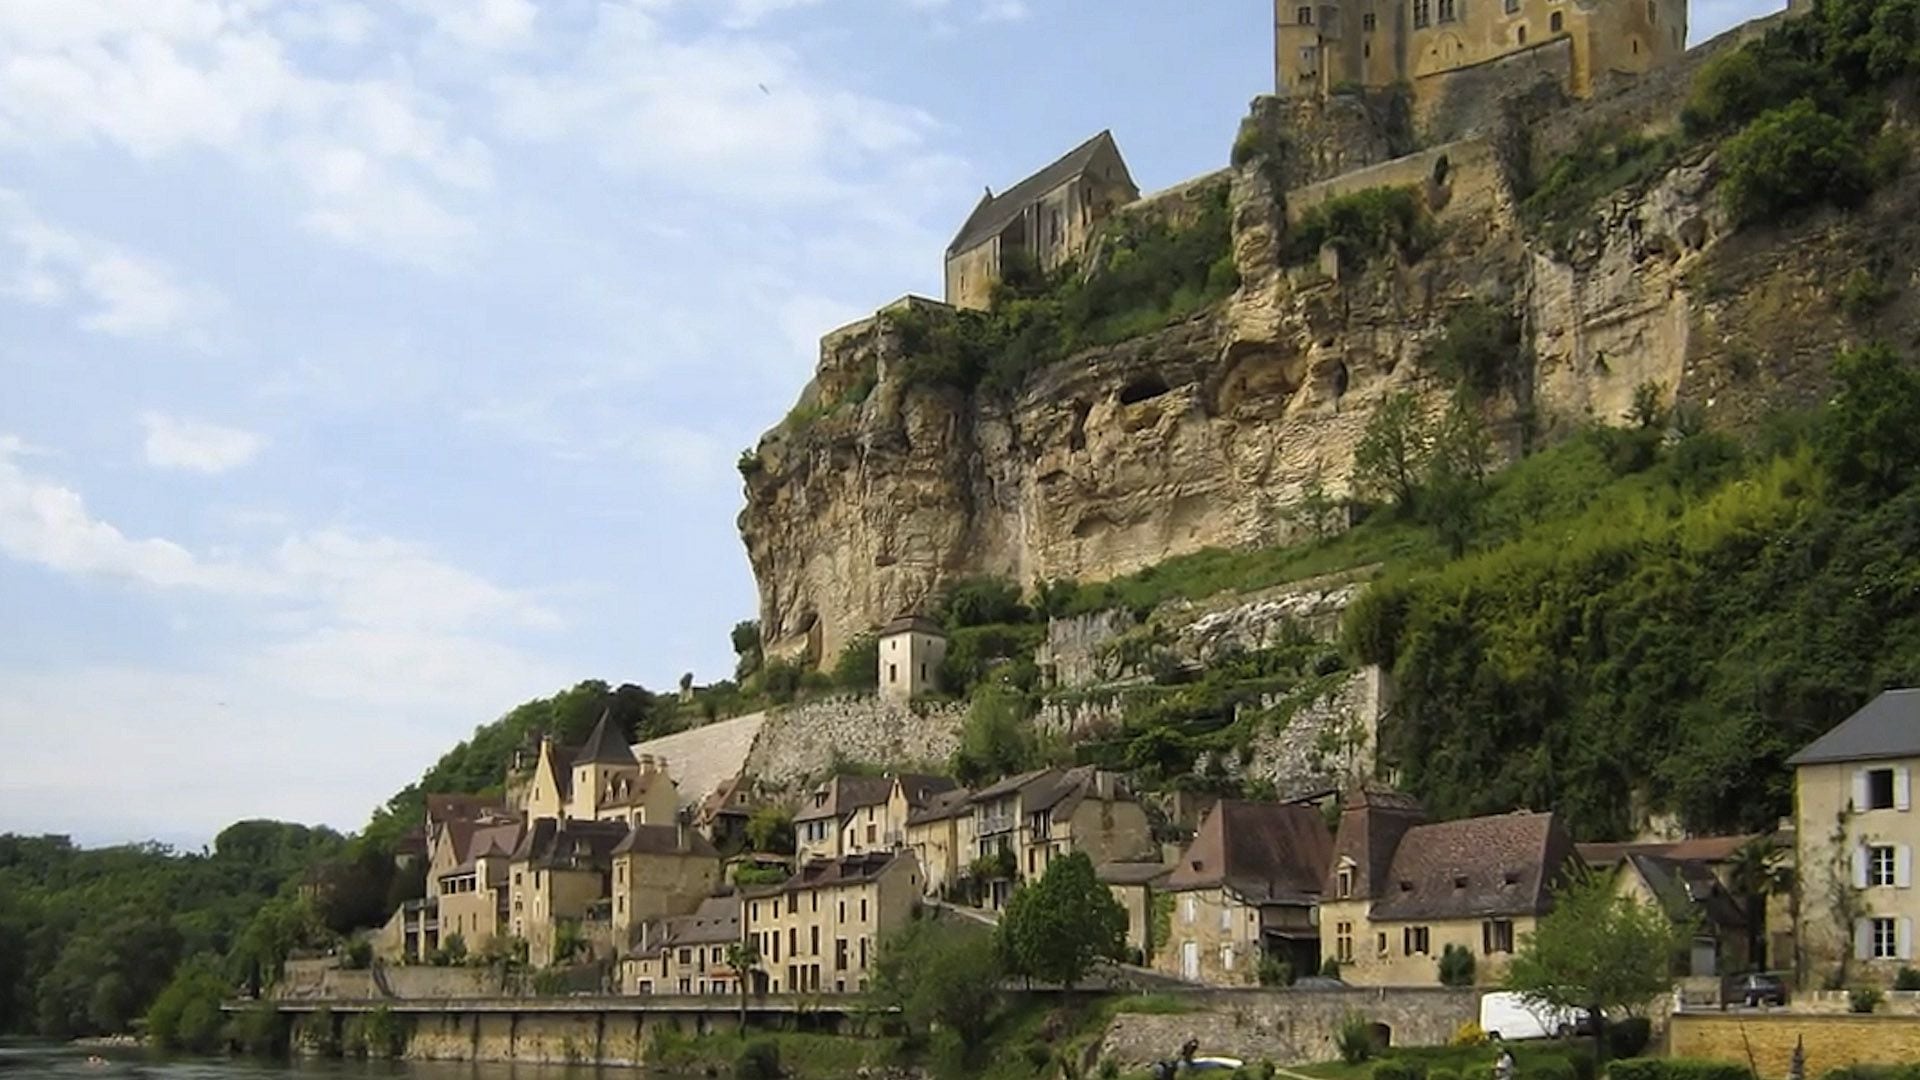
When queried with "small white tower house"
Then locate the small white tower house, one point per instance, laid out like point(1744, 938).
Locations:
point(912, 648)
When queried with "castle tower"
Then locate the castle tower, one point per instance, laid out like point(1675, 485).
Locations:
point(604, 756)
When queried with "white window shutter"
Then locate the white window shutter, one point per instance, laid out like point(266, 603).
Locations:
point(1903, 867)
point(1861, 857)
point(1902, 788)
point(1863, 939)
point(1859, 789)
point(1903, 948)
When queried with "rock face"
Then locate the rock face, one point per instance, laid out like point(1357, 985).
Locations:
point(1208, 433)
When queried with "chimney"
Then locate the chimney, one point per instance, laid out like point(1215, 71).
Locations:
point(680, 834)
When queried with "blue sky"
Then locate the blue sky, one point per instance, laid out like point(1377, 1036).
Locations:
point(370, 366)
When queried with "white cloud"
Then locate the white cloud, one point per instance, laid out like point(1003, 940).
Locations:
point(367, 154)
point(173, 443)
point(481, 24)
point(120, 293)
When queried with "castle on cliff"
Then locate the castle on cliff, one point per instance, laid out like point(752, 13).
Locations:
point(1320, 46)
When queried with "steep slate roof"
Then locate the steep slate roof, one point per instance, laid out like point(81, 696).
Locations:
point(847, 870)
point(442, 808)
point(665, 840)
point(1263, 851)
point(627, 789)
point(995, 212)
point(1063, 792)
point(913, 624)
point(577, 845)
point(562, 757)
point(487, 842)
point(1372, 821)
point(845, 794)
point(942, 807)
point(1886, 727)
point(606, 745)
point(1016, 783)
point(1478, 867)
point(919, 789)
point(1686, 888)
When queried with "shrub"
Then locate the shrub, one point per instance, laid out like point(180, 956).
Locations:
point(1363, 225)
point(858, 667)
point(1628, 1037)
point(758, 1060)
point(1790, 159)
point(1548, 1068)
point(1874, 1072)
point(1398, 1069)
point(1907, 979)
point(1864, 999)
point(1456, 966)
point(1862, 293)
point(1355, 1038)
point(1330, 969)
point(1676, 1069)
point(1275, 971)
point(1479, 350)
point(359, 954)
point(1038, 1053)
point(1468, 1034)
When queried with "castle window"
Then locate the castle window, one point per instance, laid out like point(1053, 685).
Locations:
point(1556, 23)
point(1307, 54)
point(1653, 12)
point(1449, 10)
point(1422, 12)
point(1304, 16)
point(1520, 35)
point(1513, 7)
point(1366, 50)
point(1366, 21)
point(1636, 46)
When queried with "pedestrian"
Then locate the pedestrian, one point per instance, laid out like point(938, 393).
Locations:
point(1503, 1065)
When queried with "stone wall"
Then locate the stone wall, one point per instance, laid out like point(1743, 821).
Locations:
point(1288, 1027)
point(804, 741)
point(1767, 1041)
point(306, 981)
point(1075, 652)
point(1326, 744)
point(1465, 101)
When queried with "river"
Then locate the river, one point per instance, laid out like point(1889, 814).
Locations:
point(67, 1063)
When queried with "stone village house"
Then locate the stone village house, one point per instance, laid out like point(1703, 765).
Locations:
point(1035, 817)
point(820, 930)
point(1246, 887)
point(911, 649)
point(1399, 891)
point(687, 954)
point(659, 871)
point(1855, 831)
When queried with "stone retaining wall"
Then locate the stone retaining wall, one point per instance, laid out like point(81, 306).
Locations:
point(804, 741)
point(1767, 1041)
point(1288, 1027)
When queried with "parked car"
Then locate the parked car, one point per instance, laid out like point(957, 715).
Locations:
point(1757, 989)
point(1512, 1017)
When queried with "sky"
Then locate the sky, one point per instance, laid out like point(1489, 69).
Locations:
point(368, 367)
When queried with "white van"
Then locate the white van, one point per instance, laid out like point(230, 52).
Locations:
point(1512, 1017)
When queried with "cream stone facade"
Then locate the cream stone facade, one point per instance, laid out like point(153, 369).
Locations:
point(1026, 821)
point(1134, 885)
point(911, 650)
point(659, 871)
point(820, 931)
point(1046, 221)
point(1400, 891)
point(1246, 888)
point(1855, 831)
point(687, 954)
point(559, 874)
point(940, 835)
point(1320, 47)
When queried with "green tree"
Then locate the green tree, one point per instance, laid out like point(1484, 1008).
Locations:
point(1598, 950)
point(1456, 966)
point(982, 601)
point(747, 648)
point(1453, 486)
point(770, 829)
point(744, 958)
point(186, 1015)
point(1391, 458)
point(996, 739)
point(1866, 437)
point(937, 972)
point(858, 667)
point(1054, 929)
point(1479, 349)
point(1790, 159)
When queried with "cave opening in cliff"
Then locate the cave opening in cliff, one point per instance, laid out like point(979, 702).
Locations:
point(1143, 389)
point(1077, 436)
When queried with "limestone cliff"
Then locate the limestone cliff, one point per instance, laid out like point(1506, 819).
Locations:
point(1204, 433)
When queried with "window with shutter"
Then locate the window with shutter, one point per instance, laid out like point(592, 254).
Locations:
point(1902, 788)
point(1903, 867)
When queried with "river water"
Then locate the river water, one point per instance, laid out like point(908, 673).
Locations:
point(67, 1063)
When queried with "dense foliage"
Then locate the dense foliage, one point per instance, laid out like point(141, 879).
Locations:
point(1598, 950)
point(90, 938)
point(942, 974)
point(1670, 621)
point(1364, 225)
point(1144, 274)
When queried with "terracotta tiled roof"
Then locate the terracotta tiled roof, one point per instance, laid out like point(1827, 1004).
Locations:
point(1131, 873)
point(942, 807)
point(1263, 851)
point(665, 840)
point(843, 795)
point(1372, 821)
point(1478, 867)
